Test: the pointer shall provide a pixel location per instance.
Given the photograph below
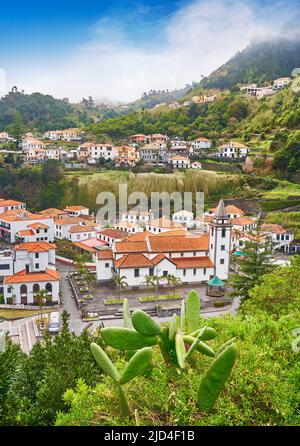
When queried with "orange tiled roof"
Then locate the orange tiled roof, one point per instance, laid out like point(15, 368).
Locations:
point(49, 275)
point(171, 233)
point(158, 258)
point(105, 254)
point(38, 226)
point(4, 202)
point(25, 232)
point(242, 221)
point(114, 233)
point(134, 247)
point(20, 215)
point(82, 228)
point(68, 221)
point(139, 236)
point(270, 227)
point(179, 243)
point(75, 208)
point(53, 212)
point(133, 261)
point(35, 247)
point(193, 262)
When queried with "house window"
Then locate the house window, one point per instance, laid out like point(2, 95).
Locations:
point(222, 247)
point(106, 265)
point(181, 254)
point(195, 271)
point(37, 265)
point(36, 255)
point(184, 272)
point(151, 271)
point(165, 273)
point(194, 254)
point(222, 261)
point(204, 271)
point(223, 232)
point(136, 272)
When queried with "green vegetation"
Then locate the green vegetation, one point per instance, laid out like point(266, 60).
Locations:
point(113, 301)
point(11, 314)
point(161, 297)
point(289, 220)
point(251, 267)
point(40, 112)
point(258, 63)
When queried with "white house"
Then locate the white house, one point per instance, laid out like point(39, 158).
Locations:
point(231, 211)
point(282, 82)
point(233, 150)
point(76, 211)
point(191, 258)
point(183, 217)
point(93, 152)
point(75, 229)
point(140, 217)
point(13, 221)
point(180, 162)
point(153, 153)
point(82, 231)
point(10, 205)
point(64, 135)
point(281, 238)
point(110, 235)
point(179, 146)
point(162, 224)
point(33, 270)
point(30, 143)
point(200, 144)
point(6, 266)
point(243, 224)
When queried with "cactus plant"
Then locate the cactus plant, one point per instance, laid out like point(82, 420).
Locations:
point(137, 365)
point(176, 346)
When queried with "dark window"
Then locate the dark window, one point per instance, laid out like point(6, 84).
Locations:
point(4, 266)
point(106, 265)
point(184, 272)
point(36, 255)
point(194, 254)
point(165, 273)
point(136, 272)
point(223, 232)
point(181, 254)
point(222, 247)
point(151, 271)
point(222, 261)
point(37, 265)
point(195, 271)
point(204, 271)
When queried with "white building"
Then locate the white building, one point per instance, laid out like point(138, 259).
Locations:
point(231, 211)
point(136, 217)
point(76, 211)
point(10, 205)
point(233, 150)
point(282, 82)
point(180, 162)
point(75, 229)
point(281, 238)
point(154, 154)
point(179, 146)
point(33, 270)
point(162, 224)
point(64, 135)
point(191, 258)
point(14, 221)
point(183, 217)
point(200, 144)
point(30, 143)
point(83, 231)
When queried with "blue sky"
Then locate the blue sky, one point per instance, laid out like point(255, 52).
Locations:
point(117, 49)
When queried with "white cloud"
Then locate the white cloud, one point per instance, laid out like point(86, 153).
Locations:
point(196, 40)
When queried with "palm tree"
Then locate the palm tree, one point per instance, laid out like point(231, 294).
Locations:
point(171, 280)
point(41, 297)
point(119, 282)
point(149, 280)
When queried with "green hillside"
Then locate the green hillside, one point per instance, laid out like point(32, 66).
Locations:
point(259, 62)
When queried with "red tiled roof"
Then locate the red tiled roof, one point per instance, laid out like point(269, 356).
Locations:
point(35, 247)
point(133, 261)
point(114, 233)
point(49, 275)
point(139, 236)
point(38, 226)
point(179, 243)
point(105, 254)
point(164, 223)
point(274, 228)
point(4, 202)
point(193, 262)
point(25, 232)
point(20, 215)
point(134, 247)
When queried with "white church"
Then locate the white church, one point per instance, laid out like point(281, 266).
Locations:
point(191, 258)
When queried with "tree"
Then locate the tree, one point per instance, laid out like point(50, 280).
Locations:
point(17, 129)
point(119, 282)
point(171, 280)
point(250, 267)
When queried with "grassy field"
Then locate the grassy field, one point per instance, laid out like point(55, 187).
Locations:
point(7, 313)
point(283, 191)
